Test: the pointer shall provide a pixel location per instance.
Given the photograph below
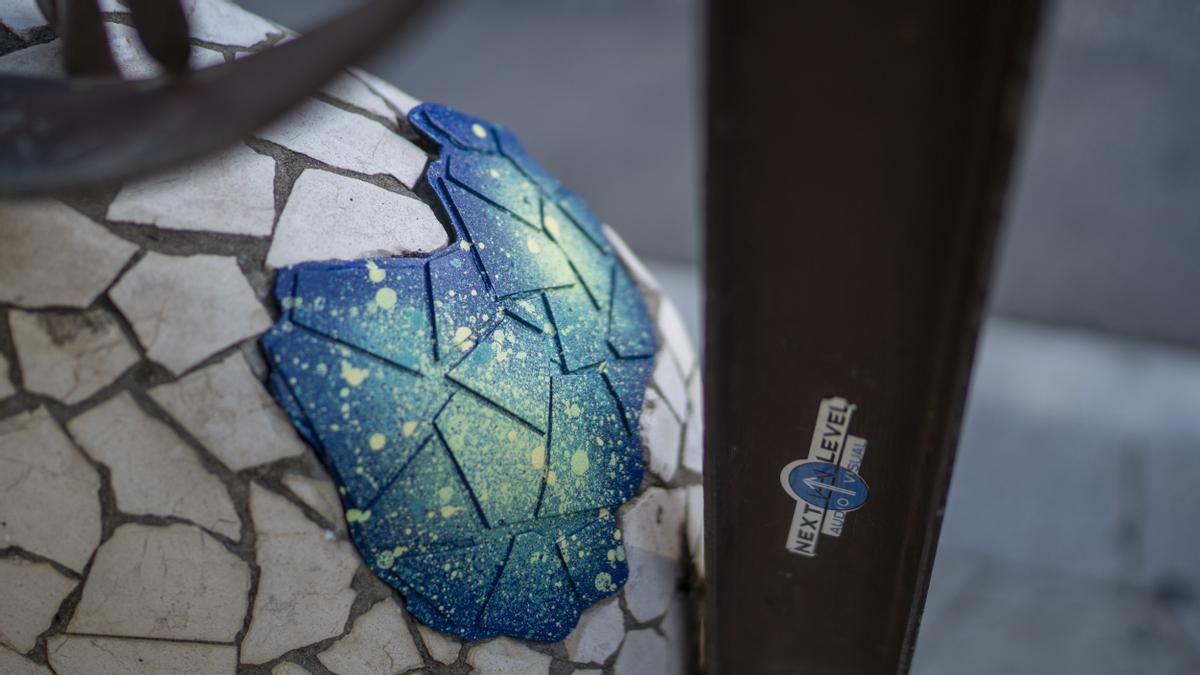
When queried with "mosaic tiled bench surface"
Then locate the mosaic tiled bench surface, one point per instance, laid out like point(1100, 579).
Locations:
point(158, 511)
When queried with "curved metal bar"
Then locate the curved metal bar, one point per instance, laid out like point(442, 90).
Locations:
point(56, 135)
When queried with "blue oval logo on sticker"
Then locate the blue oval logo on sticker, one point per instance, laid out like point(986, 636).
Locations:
point(825, 485)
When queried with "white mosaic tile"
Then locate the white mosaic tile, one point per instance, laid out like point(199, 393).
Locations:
point(675, 336)
point(30, 594)
point(695, 526)
point(505, 656)
point(132, 60)
point(288, 668)
point(12, 663)
point(174, 582)
point(675, 626)
point(652, 526)
point(693, 437)
point(320, 495)
point(6, 386)
point(21, 15)
point(49, 494)
point(379, 642)
point(44, 242)
point(304, 593)
point(227, 409)
point(186, 308)
point(217, 21)
point(443, 648)
point(599, 633)
point(152, 470)
point(40, 60)
point(231, 192)
point(333, 217)
point(661, 436)
point(69, 357)
point(347, 141)
point(670, 384)
point(401, 101)
point(348, 88)
point(644, 651)
point(641, 276)
point(86, 655)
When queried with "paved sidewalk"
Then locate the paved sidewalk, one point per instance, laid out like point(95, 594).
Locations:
point(1070, 541)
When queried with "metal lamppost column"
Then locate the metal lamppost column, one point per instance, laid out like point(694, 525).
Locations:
point(856, 161)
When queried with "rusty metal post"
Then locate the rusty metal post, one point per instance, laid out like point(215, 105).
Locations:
point(857, 156)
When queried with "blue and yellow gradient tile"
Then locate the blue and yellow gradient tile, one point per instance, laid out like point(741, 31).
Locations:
point(478, 408)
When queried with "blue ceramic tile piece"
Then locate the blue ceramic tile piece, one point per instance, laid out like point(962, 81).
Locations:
point(477, 407)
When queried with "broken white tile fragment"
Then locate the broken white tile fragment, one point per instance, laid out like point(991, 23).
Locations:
point(333, 217)
point(645, 651)
point(228, 410)
point(87, 655)
point(695, 526)
point(186, 308)
point(443, 648)
point(319, 494)
point(351, 89)
point(21, 15)
point(693, 437)
point(6, 386)
point(69, 357)
point(653, 529)
point(669, 382)
point(399, 100)
point(12, 663)
point(661, 436)
point(30, 594)
point(288, 668)
point(599, 633)
point(174, 582)
point(379, 642)
point(231, 192)
point(152, 470)
point(131, 58)
point(347, 141)
point(675, 336)
point(49, 494)
point(217, 21)
point(55, 256)
point(637, 270)
point(505, 656)
point(304, 592)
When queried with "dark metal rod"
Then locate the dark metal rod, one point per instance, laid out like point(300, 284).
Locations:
point(856, 163)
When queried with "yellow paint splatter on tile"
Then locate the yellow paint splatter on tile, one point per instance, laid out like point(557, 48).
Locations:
point(353, 376)
point(385, 298)
point(493, 173)
point(617, 535)
point(356, 516)
point(579, 462)
point(410, 429)
point(478, 130)
point(552, 225)
point(446, 494)
point(377, 441)
point(604, 582)
point(374, 273)
point(551, 477)
point(448, 511)
point(512, 436)
point(538, 458)
point(533, 246)
point(461, 334)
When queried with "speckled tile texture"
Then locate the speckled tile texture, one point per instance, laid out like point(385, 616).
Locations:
point(140, 534)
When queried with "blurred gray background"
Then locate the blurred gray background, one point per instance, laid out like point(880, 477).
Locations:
point(1072, 537)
